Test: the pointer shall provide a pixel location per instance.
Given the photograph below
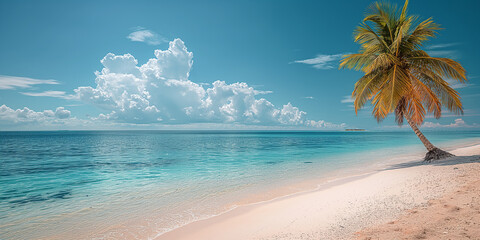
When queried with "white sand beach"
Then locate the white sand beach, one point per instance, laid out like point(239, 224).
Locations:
point(363, 207)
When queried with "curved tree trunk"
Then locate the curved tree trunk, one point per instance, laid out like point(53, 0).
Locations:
point(433, 153)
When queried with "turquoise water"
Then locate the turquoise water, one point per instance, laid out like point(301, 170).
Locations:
point(138, 184)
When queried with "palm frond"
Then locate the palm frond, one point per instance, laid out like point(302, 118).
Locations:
point(444, 67)
point(399, 76)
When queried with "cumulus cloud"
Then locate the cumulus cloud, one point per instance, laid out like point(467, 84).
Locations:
point(12, 82)
point(323, 61)
point(62, 113)
point(26, 115)
point(160, 91)
point(147, 36)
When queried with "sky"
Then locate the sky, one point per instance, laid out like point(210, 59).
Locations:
point(67, 65)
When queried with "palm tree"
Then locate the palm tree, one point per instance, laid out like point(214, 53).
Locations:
point(399, 76)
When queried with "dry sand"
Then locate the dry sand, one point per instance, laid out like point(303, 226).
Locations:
point(456, 215)
point(432, 201)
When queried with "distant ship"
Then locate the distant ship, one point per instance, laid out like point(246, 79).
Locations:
point(354, 129)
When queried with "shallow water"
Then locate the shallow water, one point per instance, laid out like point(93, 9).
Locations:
point(137, 184)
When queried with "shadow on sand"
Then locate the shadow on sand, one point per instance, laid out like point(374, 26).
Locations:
point(443, 162)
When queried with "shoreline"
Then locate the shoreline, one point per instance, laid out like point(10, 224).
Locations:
point(226, 224)
point(113, 218)
point(328, 179)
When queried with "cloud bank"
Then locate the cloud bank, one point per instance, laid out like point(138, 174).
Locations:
point(160, 91)
point(27, 115)
point(458, 123)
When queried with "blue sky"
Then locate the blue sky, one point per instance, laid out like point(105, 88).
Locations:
point(219, 64)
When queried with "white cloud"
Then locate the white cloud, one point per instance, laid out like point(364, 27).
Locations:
point(444, 53)
point(291, 115)
point(458, 123)
point(62, 113)
point(147, 36)
point(55, 94)
point(439, 50)
point(323, 124)
point(347, 99)
point(323, 61)
point(159, 91)
point(12, 82)
point(471, 95)
point(26, 115)
point(27, 119)
point(309, 97)
point(456, 84)
point(448, 114)
point(443, 45)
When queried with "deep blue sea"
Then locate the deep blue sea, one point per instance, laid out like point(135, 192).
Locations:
point(138, 184)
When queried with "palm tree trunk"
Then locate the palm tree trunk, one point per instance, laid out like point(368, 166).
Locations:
point(433, 153)
point(420, 135)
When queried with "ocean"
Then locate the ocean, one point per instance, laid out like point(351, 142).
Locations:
point(140, 184)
